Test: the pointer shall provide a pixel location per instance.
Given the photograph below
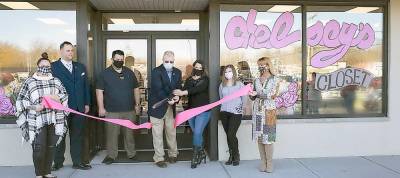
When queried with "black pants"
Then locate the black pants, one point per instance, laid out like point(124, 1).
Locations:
point(43, 150)
point(231, 123)
point(76, 126)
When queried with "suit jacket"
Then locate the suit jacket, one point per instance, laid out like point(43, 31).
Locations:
point(161, 87)
point(76, 84)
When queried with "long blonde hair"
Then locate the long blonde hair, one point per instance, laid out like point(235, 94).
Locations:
point(267, 61)
point(224, 80)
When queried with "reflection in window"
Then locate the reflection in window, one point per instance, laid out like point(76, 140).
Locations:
point(29, 33)
point(243, 51)
point(343, 44)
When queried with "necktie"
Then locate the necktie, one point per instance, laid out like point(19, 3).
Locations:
point(69, 66)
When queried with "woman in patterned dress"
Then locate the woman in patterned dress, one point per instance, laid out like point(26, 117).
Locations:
point(264, 112)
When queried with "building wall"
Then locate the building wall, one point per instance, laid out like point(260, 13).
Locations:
point(336, 137)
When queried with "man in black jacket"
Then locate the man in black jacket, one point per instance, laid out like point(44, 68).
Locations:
point(73, 76)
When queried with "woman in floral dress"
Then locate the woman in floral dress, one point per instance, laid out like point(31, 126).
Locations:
point(264, 112)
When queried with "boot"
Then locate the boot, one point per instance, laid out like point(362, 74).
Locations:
point(229, 162)
point(202, 155)
point(236, 159)
point(263, 165)
point(269, 150)
point(195, 157)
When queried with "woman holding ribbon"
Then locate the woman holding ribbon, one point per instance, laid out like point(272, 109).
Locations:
point(196, 88)
point(231, 112)
point(43, 128)
point(265, 89)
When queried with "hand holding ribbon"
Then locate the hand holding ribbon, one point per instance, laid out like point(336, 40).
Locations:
point(186, 115)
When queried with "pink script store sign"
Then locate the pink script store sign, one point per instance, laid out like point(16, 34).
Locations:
point(243, 33)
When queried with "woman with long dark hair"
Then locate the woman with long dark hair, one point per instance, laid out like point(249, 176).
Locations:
point(196, 87)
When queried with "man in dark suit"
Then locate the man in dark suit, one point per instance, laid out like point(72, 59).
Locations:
point(74, 78)
point(164, 79)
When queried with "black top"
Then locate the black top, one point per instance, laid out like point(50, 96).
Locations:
point(117, 89)
point(197, 91)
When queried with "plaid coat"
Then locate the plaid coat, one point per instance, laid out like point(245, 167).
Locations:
point(30, 94)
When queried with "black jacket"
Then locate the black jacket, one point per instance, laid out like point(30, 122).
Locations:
point(161, 87)
point(197, 91)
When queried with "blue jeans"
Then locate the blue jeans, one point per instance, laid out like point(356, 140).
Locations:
point(198, 123)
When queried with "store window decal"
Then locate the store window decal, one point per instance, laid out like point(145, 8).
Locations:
point(241, 33)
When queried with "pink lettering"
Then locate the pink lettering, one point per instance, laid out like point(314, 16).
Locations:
point(241, 33)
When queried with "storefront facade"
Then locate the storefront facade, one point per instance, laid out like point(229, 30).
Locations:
point(350, 111)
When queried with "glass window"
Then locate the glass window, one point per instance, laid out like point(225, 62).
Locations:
point(344, 49)
point(25, 35)
point(343, 63)
point(248, 33)
point(150, 22)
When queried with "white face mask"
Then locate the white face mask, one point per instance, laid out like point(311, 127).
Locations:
point(228, 75)
point(168, 66)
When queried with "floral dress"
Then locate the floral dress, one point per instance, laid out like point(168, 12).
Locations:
point(264, 110)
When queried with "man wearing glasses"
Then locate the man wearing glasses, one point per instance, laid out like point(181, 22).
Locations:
point(164, 79)
point(118, 97)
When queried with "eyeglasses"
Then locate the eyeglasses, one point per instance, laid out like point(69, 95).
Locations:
point(169, 62)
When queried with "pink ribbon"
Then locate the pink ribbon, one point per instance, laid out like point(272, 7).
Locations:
point(51, 104)
point(188, 114)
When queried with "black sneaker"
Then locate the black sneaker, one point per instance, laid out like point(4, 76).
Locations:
point(108, 160)
point(161, 164)
point(56, 167)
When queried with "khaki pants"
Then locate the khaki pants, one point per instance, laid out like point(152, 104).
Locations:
point(113, 131)
point(170, 133)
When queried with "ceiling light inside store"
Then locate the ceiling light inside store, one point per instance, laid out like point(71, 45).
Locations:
point(282, 8)
point(19, 5)
point(122, 21)
point(190, 21)
point(362, 9)
point(52, 21)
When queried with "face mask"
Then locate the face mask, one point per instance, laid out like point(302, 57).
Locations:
point(118, 64)
point(262, 69)
point(44, 70)
point(168, 66)
point(197, 72)
point(228, 75)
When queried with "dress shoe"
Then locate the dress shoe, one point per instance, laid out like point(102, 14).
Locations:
point(56, 167)
point(172, 160)
point(81, 166)
point(161, 164)
point(108, 160)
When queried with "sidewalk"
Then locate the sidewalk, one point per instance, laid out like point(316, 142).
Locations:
point(343, 167)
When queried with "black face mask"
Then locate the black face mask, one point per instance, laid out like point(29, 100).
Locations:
point(197, 72)
point(118, 64)
point(261, 70)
